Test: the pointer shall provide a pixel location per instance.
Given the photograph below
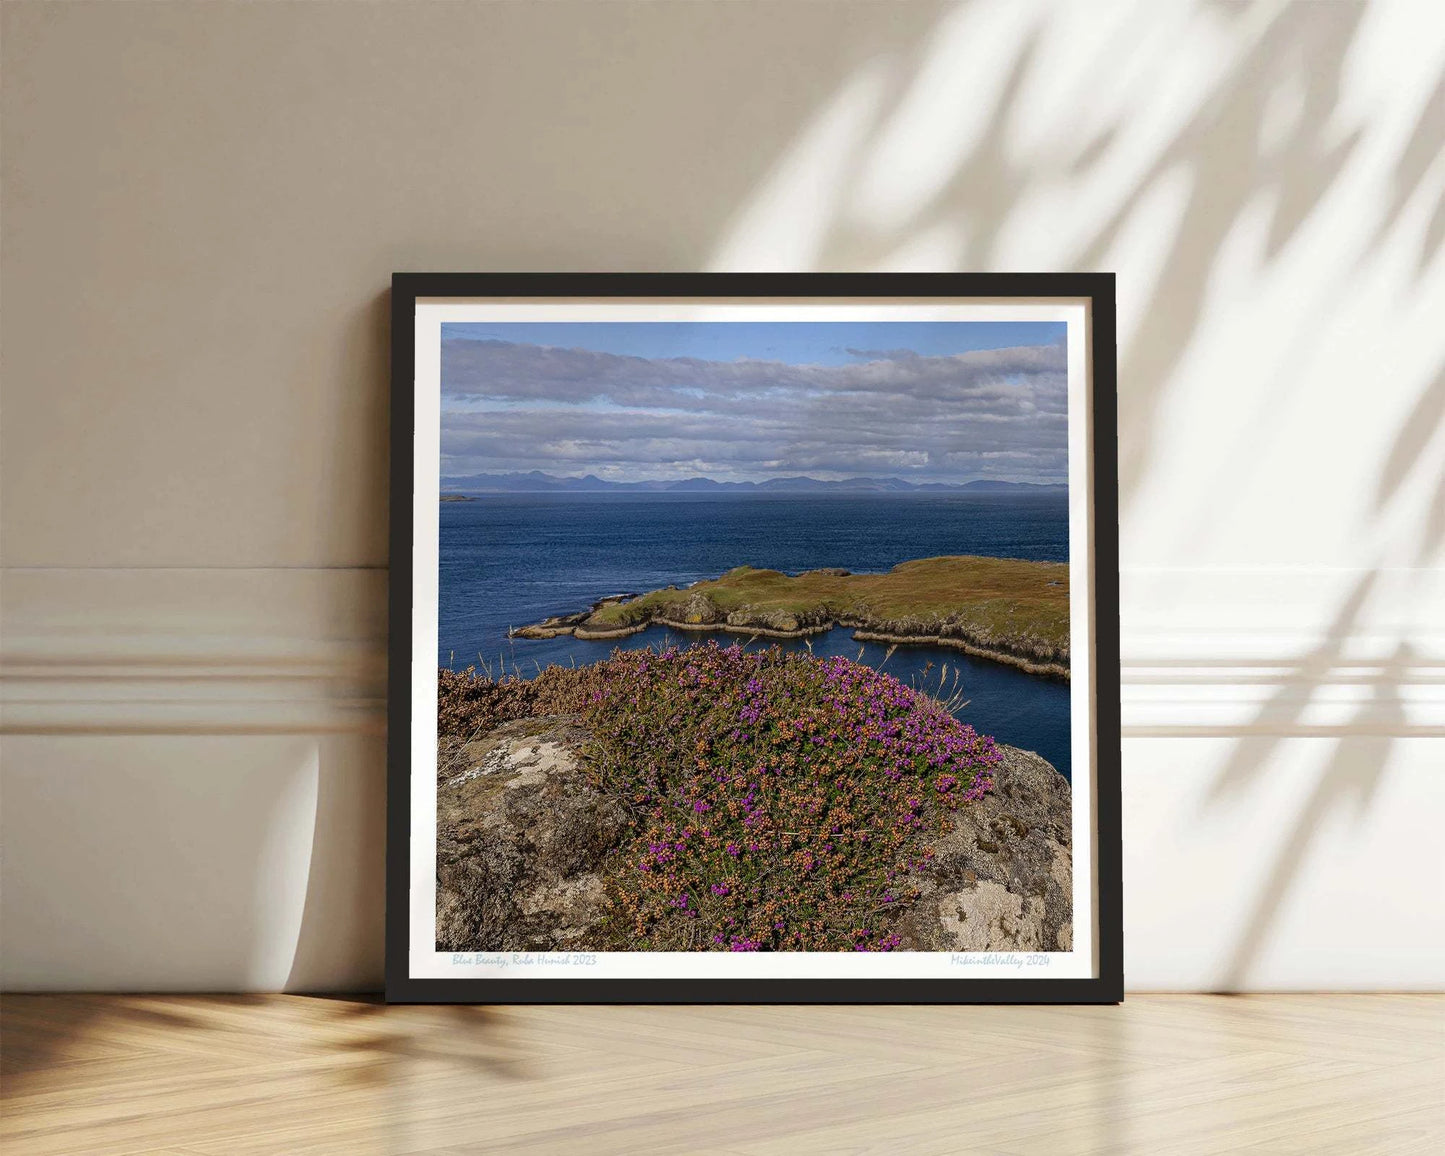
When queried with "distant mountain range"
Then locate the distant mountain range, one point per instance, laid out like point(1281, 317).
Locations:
point(536, 482)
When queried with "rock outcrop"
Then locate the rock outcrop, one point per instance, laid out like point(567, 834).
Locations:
point(698, 610)
point(521, 838)
point(524, 843)
point(1002, 879)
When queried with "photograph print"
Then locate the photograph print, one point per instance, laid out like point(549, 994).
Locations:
point(748, 649)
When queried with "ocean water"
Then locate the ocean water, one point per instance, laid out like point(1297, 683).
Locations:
point(511, 559)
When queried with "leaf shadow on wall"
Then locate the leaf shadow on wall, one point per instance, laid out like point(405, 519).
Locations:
point(1269, 129)
point(1355, 769)
point(1230, 150)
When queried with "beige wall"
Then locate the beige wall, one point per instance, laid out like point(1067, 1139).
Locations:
point(202, 204)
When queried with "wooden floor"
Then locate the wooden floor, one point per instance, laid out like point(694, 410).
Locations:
point(228, 1076)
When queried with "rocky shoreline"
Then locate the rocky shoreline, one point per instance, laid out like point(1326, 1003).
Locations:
point(1054, 670)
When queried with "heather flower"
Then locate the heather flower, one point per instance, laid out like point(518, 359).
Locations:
point(824, 771)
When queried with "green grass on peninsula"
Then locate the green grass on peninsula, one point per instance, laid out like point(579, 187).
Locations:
point(1001, 598)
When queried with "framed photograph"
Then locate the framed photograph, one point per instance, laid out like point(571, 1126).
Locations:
point(754, 638)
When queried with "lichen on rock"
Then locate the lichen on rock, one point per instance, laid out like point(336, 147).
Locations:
point(520, 839)
point(1002, 879)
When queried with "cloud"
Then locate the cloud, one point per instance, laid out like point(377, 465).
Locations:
point(882, 354)
point(993, 413)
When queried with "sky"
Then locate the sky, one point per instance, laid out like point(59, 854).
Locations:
point(748, 401)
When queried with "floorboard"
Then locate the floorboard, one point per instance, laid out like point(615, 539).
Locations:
point(242, 1075)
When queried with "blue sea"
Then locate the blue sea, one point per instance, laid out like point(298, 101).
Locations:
point(511, 559)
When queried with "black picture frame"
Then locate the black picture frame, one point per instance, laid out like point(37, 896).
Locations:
point(1097, 290)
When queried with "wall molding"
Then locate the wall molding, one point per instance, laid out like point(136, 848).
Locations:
point(276, 651)
point(1205, 653)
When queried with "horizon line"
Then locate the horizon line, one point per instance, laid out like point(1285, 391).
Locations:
point(789, 477)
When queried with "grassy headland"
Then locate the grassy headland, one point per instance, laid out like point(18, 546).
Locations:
point(1002, 608)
